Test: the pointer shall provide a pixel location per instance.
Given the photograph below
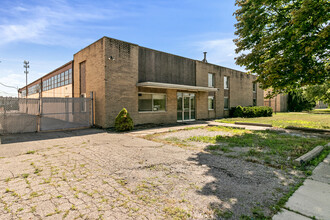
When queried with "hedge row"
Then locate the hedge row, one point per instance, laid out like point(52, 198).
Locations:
point(250, 112)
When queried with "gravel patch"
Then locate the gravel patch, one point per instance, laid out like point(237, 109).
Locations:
point(185, 134)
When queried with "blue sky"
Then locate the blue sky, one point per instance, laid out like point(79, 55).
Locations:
point(48, 33)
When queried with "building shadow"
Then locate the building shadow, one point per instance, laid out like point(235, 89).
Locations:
point(39, 136)
point(47, 135)
point(243, 190)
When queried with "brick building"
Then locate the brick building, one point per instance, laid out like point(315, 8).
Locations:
point(279, 103)
point(57, 83)
point(155, 87)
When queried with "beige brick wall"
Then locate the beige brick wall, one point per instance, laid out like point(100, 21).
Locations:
point(278, 103)
point(120, 87)
point(114, 85)
point(121, 77)
point(240, 89)
point(201, 105)
point(95, 77)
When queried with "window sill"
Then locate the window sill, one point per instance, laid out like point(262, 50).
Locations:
point(211, 109)
point(153, 112)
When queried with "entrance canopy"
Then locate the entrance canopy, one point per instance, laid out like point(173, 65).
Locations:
point(175, 86)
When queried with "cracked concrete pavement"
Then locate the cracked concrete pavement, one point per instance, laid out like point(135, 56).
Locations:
point(92, 174)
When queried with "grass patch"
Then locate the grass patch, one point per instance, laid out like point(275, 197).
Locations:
point(171, 140)
point(269, 147)
point(25, 175)
point(286, 197)
point(320, 111)
point(204, 139)
point(192, 128)
point(228, 129)
point(34, 194)
point(31, 152)
point(176, 213)
point(315, 119)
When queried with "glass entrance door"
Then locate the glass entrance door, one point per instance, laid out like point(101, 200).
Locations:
point(185, 106)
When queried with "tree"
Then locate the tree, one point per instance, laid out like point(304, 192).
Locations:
point(318, 92)
point(285, 42)
point(297, 101)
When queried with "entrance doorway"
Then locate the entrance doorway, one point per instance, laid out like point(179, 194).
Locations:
point(186, 110)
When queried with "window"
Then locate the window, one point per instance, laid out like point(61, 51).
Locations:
point(61, 79)
point(23, 93)
point(254, 102)
point(226, 82)
point(66, 75)
point(254, 87)
point(152, 102)
point(83, 103)
point(34, 89)
point(226, 103)
point(211, 102)
point(210, 80)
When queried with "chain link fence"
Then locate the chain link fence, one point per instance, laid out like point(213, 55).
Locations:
point(20, 115)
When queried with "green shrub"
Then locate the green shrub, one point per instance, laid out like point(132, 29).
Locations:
point(251, 112)
point(123, 121)
point(297, 102)
point(238, 113)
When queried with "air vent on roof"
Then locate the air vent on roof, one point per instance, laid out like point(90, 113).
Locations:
point(204, 60)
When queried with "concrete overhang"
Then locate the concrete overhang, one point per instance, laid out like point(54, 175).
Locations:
point(176, 86)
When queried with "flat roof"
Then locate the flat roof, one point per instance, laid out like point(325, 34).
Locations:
point(176, 86)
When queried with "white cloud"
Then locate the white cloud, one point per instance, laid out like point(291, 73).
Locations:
point(51, 24)
point(220, 51)
point(28, 31)
point(11, 79)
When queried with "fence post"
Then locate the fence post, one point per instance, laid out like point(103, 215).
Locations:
point(39, 114)
point(92, 107)
point(4, 115)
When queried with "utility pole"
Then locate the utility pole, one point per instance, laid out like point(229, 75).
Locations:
point(26, 66)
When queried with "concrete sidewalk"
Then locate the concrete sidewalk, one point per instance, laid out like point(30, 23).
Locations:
point(248, 127)
point(145, 132)
point(312, 200)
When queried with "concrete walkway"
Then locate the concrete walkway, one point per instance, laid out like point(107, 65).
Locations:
point(145, 132)
point(312, 200)
point(248, 127)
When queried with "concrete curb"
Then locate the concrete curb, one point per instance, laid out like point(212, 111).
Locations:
point(309, 155)
point(307, 129)
point(253, 124)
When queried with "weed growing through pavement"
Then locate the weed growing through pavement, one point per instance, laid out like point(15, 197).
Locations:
point(30, 152)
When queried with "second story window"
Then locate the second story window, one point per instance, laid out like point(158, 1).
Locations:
point(226, 82)
point(211, 80)
point(254, 87)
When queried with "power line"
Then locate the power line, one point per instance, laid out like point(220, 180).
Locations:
point(8, 86)
point(7, 92)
